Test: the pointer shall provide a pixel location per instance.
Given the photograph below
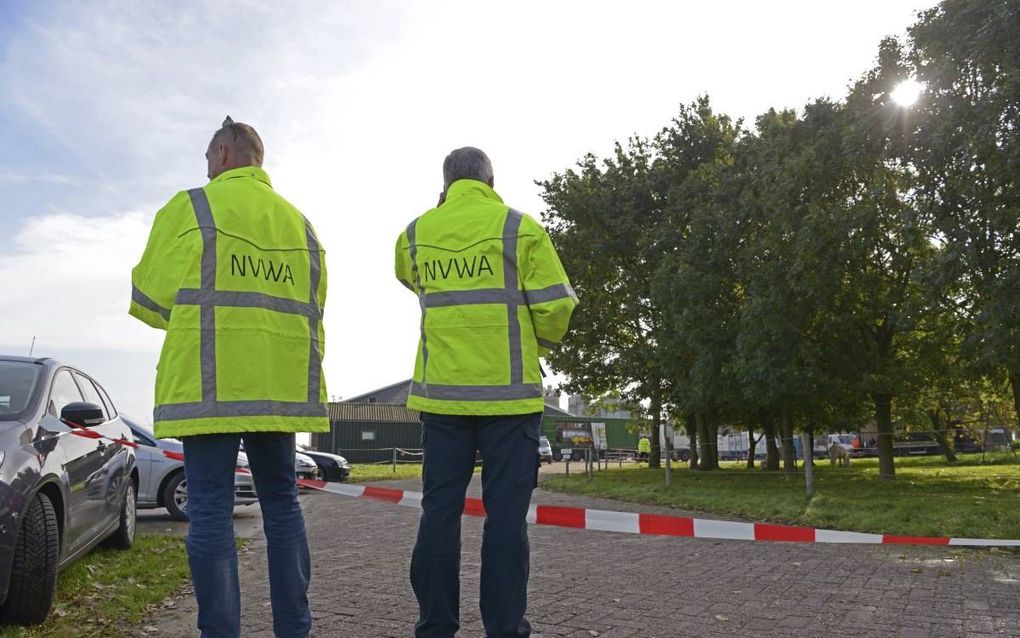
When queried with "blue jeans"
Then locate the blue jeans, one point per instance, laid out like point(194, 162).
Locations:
point(209, 462)
point(509, 447)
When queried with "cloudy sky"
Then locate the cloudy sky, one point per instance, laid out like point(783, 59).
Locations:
point(106, 108)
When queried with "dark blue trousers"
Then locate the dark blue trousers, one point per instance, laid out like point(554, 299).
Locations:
point(509, 448)
point(209, 462)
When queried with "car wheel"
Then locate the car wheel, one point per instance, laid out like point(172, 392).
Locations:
point(175, 497)
point(34, 565)
point(125, 534)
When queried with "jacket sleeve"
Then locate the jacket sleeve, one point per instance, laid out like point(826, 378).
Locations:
point(547, 290)
point(168, 254)
point(402, 263)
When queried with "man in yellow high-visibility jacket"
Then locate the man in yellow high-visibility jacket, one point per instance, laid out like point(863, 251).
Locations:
point(236, 276)
point(644, 448)
point(493, 298)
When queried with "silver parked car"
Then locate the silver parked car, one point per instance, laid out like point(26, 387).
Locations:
point(545, 453)
point(161, 481)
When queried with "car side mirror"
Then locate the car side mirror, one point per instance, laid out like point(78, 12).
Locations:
point(82, 413)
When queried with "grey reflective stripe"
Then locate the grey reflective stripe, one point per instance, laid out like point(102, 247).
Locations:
point(314, 355)
point(207, 337)
point(477, 392)
point(510, 230)
point(246, 299)
point(203, 215)
point(466, 297)
point(551, 293)
point(545, 343)
point(421, 298)
point(219, 409)
point(208, 352)
point(144, 301)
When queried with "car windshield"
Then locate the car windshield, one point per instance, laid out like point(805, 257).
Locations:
point(18, 381)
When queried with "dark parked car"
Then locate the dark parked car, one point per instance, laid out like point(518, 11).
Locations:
point(61, 494)
point(333, 468)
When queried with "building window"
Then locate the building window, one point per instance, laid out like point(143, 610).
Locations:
point(367, 436)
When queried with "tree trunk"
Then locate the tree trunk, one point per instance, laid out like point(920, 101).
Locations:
point(705, 462)
point(1014, 382)
point(771, 451)
point(692, 434)
point(656, 453)
point(752, 443)
point(789, 452)
point(883, 422)
point(941, 434)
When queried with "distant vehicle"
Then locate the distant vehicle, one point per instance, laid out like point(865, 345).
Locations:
point(161, 479)
point(964, 442)
point(915, 444)
point(61, 494)
point(304, 467)
point(998, 439)
point(333, 468)
point(545, 453)
point(845, 441)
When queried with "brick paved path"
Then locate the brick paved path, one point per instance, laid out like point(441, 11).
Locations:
point(586, 584)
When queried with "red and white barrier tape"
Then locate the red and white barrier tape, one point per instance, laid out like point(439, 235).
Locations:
point(659, 524)
point(623, 522)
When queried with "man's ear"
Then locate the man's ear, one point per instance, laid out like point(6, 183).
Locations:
point(222, 154)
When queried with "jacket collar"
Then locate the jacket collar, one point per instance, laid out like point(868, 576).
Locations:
point(471, 188)
point(244, 171)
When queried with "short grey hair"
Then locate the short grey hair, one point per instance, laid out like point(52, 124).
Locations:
point(466, 163)
point(243, 137)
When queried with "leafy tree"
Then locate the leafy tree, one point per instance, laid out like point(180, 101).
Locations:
point(603, 219)
point(885, 246)
point(966, 145)
point(694, 285)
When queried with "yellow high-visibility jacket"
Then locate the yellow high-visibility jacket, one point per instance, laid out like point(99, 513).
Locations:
point(237, 278)
point(493, 297)
point(644, 446)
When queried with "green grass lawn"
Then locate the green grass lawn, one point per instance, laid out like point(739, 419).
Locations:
point(928, 497)
point(108, 592)
point(362, 473)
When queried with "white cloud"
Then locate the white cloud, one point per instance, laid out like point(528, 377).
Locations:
point(68, 277)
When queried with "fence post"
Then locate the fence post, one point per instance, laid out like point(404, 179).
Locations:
point(588, 462)
point(394, 460)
